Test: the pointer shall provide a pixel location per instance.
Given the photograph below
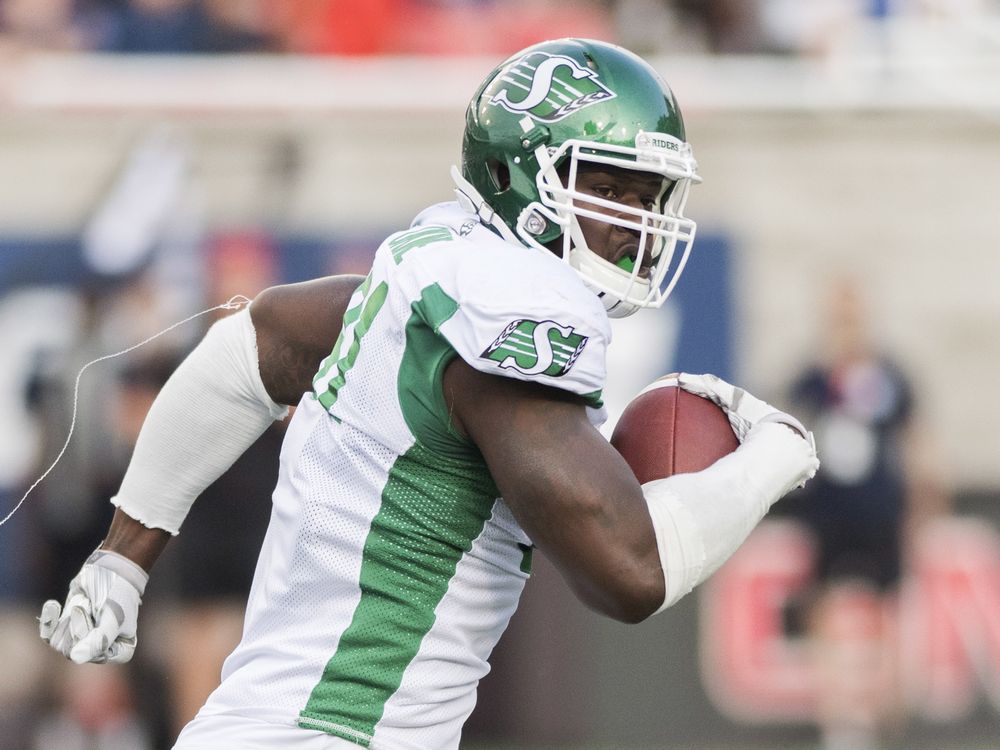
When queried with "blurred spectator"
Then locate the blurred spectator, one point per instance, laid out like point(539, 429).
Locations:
point(71, 513)
point(874, 490)
point(728, 26)
point(44, 24)
point(816, 28)
point(783, 27)
point(238, 26)
point(653, 27)
point(187, 26)
point(212, 574)
point(432, 27)
point(38, 326)
point(385, 27)
point(336, 26)
point(209, 566)
point(94, 710)
point(91, 709)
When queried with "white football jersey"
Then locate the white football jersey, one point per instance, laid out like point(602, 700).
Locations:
point(391, 567)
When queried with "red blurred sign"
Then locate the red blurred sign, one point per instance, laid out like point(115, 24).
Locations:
point(946, 623)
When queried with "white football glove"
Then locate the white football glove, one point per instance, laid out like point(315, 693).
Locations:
point(745, 411)
point(98, 623)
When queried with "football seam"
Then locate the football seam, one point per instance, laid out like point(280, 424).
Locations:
point(667, 381)
point(673, 431)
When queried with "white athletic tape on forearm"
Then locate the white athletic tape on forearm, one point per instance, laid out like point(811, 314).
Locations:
point(679, 538)
point(209, 412)
point(701, 519)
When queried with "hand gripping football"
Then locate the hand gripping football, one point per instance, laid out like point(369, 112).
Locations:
point(666, 430)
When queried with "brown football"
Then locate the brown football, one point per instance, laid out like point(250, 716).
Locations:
point(666, 430)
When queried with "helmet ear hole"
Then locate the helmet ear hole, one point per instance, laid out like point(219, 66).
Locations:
point(499, 174)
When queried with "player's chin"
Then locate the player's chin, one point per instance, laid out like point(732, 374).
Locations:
point(645, 273)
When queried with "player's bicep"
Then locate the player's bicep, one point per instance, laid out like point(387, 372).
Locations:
point(569, 489)
point(296, 327)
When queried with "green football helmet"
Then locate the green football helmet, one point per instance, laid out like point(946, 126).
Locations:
point(558, 105)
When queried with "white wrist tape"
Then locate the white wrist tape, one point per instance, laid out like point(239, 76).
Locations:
point(209, 412)
point(700, 519)
point(121, 566)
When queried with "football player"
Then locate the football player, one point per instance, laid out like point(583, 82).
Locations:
point(448, 405)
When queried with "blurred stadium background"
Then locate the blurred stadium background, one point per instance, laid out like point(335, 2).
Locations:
point(159, 156)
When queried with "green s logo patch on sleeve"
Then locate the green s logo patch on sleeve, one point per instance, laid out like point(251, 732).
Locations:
point(534, 347)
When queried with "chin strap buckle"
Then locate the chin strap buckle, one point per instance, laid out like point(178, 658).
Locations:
point(484, 210)
point(468, 196)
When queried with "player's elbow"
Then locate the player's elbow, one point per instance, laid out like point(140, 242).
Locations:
point(640, 604)
point(632, 610)
point(631, 613)
point(631, 597)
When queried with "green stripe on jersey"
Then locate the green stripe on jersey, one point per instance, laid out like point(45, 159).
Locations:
point(435, 503)
point(432, 509)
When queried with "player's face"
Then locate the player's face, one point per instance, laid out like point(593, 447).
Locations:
point(633, 188)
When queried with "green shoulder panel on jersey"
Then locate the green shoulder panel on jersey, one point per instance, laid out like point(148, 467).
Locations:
point(421, 376)
point(434, 505)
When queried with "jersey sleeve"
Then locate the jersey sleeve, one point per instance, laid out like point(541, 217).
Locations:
point(521, 323)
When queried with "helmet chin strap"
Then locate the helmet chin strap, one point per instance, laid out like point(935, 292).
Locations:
point(470, 199)
point(618, 308)
point(615, 307)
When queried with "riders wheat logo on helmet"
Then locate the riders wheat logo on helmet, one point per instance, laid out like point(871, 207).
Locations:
point(549, 87)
